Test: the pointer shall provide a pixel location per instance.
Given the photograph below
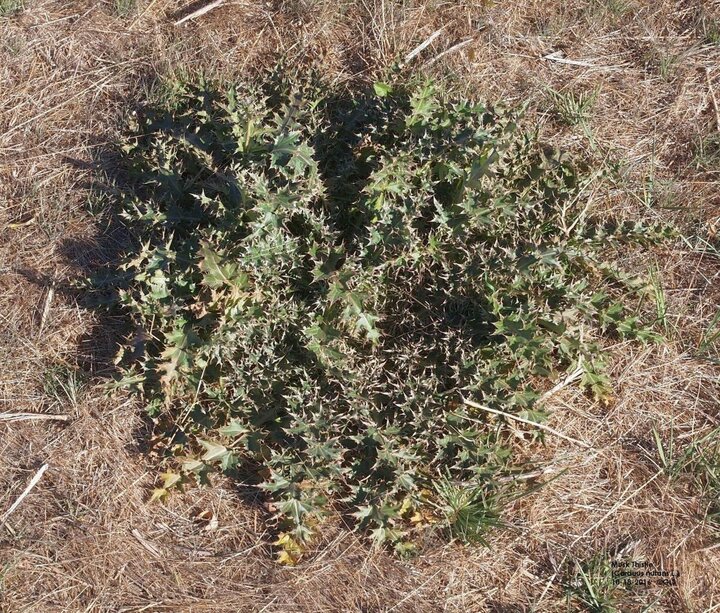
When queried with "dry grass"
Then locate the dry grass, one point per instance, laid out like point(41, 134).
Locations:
point(87, 539)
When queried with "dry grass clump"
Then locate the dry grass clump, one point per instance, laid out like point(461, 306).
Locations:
point(87, 539)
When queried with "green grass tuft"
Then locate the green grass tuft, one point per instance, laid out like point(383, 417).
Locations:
point(468, 512)
point(698, 463)
point(574, 108)
point(593, 588)
point(63, 385)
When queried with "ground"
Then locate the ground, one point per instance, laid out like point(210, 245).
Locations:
point(88, 538)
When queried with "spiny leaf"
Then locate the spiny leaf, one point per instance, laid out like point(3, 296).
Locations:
point(216, 271)
point(213, 451)
point(233, 429)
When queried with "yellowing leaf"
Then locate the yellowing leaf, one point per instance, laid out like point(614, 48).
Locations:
point(283, 540)
point(170, 479)
point(213, 451)
point(192, 465)
point(291, 550)
point(286, 559)
point(405, 507)
point(158, 494)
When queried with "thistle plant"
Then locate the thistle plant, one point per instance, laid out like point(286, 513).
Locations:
point(319, 283)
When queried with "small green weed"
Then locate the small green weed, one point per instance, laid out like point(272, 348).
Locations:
point(659, 298)
point(708, 29)
point(321, 279)
point(671, 461)
point(468, 512)
point(667, 65)
point(607, 10)
point(699, 462)
point(712, 32)
point(63, 384)
point(123, 8)
point(709, 341)
point(617, 8)
point(169, 90)
point(7, 7)
point(707, 153)
point(663, 62)
point(574, 108)
point(655, 192)
point(592, 587)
